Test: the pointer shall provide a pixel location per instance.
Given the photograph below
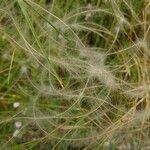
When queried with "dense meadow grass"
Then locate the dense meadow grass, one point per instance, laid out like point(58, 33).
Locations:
point(74, 74)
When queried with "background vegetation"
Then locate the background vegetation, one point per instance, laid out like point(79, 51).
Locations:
point(74, 74)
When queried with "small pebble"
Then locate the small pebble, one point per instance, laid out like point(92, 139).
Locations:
point(16, 132)
point(16, 104)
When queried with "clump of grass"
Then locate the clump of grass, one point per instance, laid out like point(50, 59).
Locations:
point(79, 71)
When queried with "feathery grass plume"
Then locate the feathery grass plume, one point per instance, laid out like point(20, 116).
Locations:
point(139, 91)
point(80, 72)
point(105, 76)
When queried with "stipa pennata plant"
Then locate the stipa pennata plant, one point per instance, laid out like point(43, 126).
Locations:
point(81, 75)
